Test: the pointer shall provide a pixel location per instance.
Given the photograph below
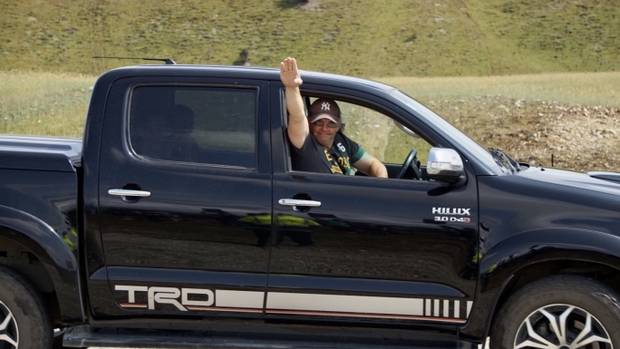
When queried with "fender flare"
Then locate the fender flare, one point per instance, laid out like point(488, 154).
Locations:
point(55, 256)
point(508, 258)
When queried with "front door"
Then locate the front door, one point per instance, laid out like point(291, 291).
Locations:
point(184, 192)
point(378, 250)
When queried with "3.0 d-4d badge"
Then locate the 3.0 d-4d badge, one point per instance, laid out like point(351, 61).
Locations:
point(451, 214)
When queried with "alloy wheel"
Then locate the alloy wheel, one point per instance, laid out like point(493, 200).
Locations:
point(9, 333)
point(562, 326)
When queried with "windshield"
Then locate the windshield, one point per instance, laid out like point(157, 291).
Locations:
point(454, 135)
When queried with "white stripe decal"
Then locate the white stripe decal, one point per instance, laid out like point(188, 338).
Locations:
point(428, 311)
point(365, 315)
point(347, 304)
point(299, 303)
point(233, 310)
point(239, 299)
point(129, 305)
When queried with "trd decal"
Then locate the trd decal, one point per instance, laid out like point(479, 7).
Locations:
point(191, 299)
point(181, 298)
point(451, 214)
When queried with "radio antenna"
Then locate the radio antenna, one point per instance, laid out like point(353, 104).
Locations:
point(165, 60)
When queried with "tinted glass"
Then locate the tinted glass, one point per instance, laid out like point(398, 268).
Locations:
point(194, 124)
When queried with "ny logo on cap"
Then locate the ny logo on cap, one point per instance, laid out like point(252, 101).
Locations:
point(325, 106)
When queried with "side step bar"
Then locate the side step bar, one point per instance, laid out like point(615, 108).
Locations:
point(86, 336)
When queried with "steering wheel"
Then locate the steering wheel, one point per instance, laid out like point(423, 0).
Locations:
point(410, 166)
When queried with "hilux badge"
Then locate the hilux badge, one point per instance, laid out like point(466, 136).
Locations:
point(451, 214)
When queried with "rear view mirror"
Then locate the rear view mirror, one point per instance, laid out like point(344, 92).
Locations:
point(444, 164)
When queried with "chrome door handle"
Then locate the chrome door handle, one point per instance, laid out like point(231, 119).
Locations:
point(129, 193)
point(297, 202)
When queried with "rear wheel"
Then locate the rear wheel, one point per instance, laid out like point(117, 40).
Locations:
point(23, 320)
point(561, 312)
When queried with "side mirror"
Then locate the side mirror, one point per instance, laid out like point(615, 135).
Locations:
point(444, 164)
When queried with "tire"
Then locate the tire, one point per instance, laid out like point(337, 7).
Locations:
point(23, 319)
point(565, 300)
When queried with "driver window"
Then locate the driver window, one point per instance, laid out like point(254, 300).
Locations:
point(381, 136)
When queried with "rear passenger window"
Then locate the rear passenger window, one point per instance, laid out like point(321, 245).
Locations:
point(194, 124)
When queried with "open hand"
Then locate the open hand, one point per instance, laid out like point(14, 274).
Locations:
point(289, 74)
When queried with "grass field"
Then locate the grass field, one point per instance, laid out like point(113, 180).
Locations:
point(44, 103)
point(574, 116)
point(359, 37)
point(569, 88)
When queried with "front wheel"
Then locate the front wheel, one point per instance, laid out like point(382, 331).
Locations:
point(560, 312)
point(23, 320)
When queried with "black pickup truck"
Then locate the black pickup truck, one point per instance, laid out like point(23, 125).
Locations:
point(178, 222)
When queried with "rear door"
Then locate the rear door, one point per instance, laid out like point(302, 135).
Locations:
point(185, 198)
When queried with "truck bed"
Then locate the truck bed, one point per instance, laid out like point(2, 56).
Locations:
point(40, 153)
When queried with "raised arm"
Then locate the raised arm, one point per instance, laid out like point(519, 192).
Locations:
point(297, 123)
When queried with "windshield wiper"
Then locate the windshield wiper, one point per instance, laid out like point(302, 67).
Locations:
point(502, 159)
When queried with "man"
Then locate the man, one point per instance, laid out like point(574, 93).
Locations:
point(318, 144)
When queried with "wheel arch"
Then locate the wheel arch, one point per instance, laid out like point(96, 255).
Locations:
point(533, 255)
point(599, 272)
point(39, 254)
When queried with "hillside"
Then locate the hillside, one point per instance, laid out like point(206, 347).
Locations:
point(364, 38)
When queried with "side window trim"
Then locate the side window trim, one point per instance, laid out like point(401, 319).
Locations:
point(129, 149)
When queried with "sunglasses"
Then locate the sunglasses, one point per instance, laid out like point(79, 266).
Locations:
point(323, 123)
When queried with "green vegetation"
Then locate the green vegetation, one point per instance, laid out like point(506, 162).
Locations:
point(363, 38)
point(569, 88)
point(574, 116)
point(44, 103)
point(56, 103)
